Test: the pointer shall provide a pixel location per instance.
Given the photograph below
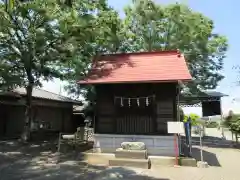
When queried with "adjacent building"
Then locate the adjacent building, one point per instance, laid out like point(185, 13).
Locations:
point(51, 112)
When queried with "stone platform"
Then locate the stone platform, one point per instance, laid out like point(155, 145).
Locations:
point(134, 154)
point(131, 154)
point(155, 161)
point(131, 158)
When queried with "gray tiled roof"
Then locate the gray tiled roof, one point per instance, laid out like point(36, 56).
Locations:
point(40, 93)
point(215, 94)
point(205, 94)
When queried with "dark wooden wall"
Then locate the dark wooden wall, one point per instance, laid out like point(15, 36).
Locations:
point(211, 108)
point(104, 110)
point(147, 120)
point(3, 120)
point(12, 111)
point(166, 107)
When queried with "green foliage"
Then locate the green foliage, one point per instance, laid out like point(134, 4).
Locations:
point(32, 44)
point(42, 39)
point(185, 119)
point(9, 4)
point(150, 26)
point(106, 37)
point(233, 123)
point(212, 124)
point(193, 117)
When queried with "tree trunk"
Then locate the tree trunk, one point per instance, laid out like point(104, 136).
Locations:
point(236, 138)
point(28, 114)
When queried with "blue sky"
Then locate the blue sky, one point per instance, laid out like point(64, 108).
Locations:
point(225, 15)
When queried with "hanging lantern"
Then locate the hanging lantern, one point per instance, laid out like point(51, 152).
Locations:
point(147, 101)
point(129, 102)
point(138, 102)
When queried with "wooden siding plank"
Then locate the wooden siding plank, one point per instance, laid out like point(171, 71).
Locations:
point(134, 125)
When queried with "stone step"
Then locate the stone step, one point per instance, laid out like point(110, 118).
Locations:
point(187, 161)
point(163, 161)
point(131, 154)
point(137, 163)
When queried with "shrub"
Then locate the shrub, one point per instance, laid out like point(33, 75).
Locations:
point(194, 118)
point(212, 124)
point(196, 131)
point(185, 119)
point(233, 122)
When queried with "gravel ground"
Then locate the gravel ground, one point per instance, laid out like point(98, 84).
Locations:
point(37, 161)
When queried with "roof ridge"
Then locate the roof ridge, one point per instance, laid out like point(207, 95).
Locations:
point(57, 94)
point(129, 67)
point(43, 90)
point(44, 94)
point(50, 92)
point(170, 52)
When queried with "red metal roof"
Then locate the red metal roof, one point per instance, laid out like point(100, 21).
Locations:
point(138, 67)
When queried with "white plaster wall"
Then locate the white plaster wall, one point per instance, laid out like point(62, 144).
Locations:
point(156, 145)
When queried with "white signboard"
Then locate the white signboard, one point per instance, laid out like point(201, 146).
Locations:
point(175, 127)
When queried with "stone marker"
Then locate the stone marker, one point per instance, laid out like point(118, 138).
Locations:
point(72, 136)
point(202, 164)
point(54, 158)
point(133, 145)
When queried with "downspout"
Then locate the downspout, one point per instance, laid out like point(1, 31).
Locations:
point(178, 117)
point(222, 127)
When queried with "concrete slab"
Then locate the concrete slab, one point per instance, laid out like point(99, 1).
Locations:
point(188, 162)
point(157, 161)
point(136, 163)
point(98, 158)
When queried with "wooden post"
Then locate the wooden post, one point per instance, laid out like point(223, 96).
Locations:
point(59, 141)
point(175, 128)
point(221, 126)
point(201, 148)
point(176, 149)
point(179, 116)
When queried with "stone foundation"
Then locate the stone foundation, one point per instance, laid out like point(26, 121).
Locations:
point(155, 145)
point(131, 154)
point(155, 161)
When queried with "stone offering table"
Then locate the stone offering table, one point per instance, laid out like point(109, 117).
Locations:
point(133, 154)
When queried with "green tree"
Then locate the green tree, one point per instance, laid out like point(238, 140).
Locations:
point(8, 76)
point(107, 37)
point(232, 121)
point(150, 26)
point(9, 4)
point(38, 38)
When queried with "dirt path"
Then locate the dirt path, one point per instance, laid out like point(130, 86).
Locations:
point(224, 166)
point(32, 162)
